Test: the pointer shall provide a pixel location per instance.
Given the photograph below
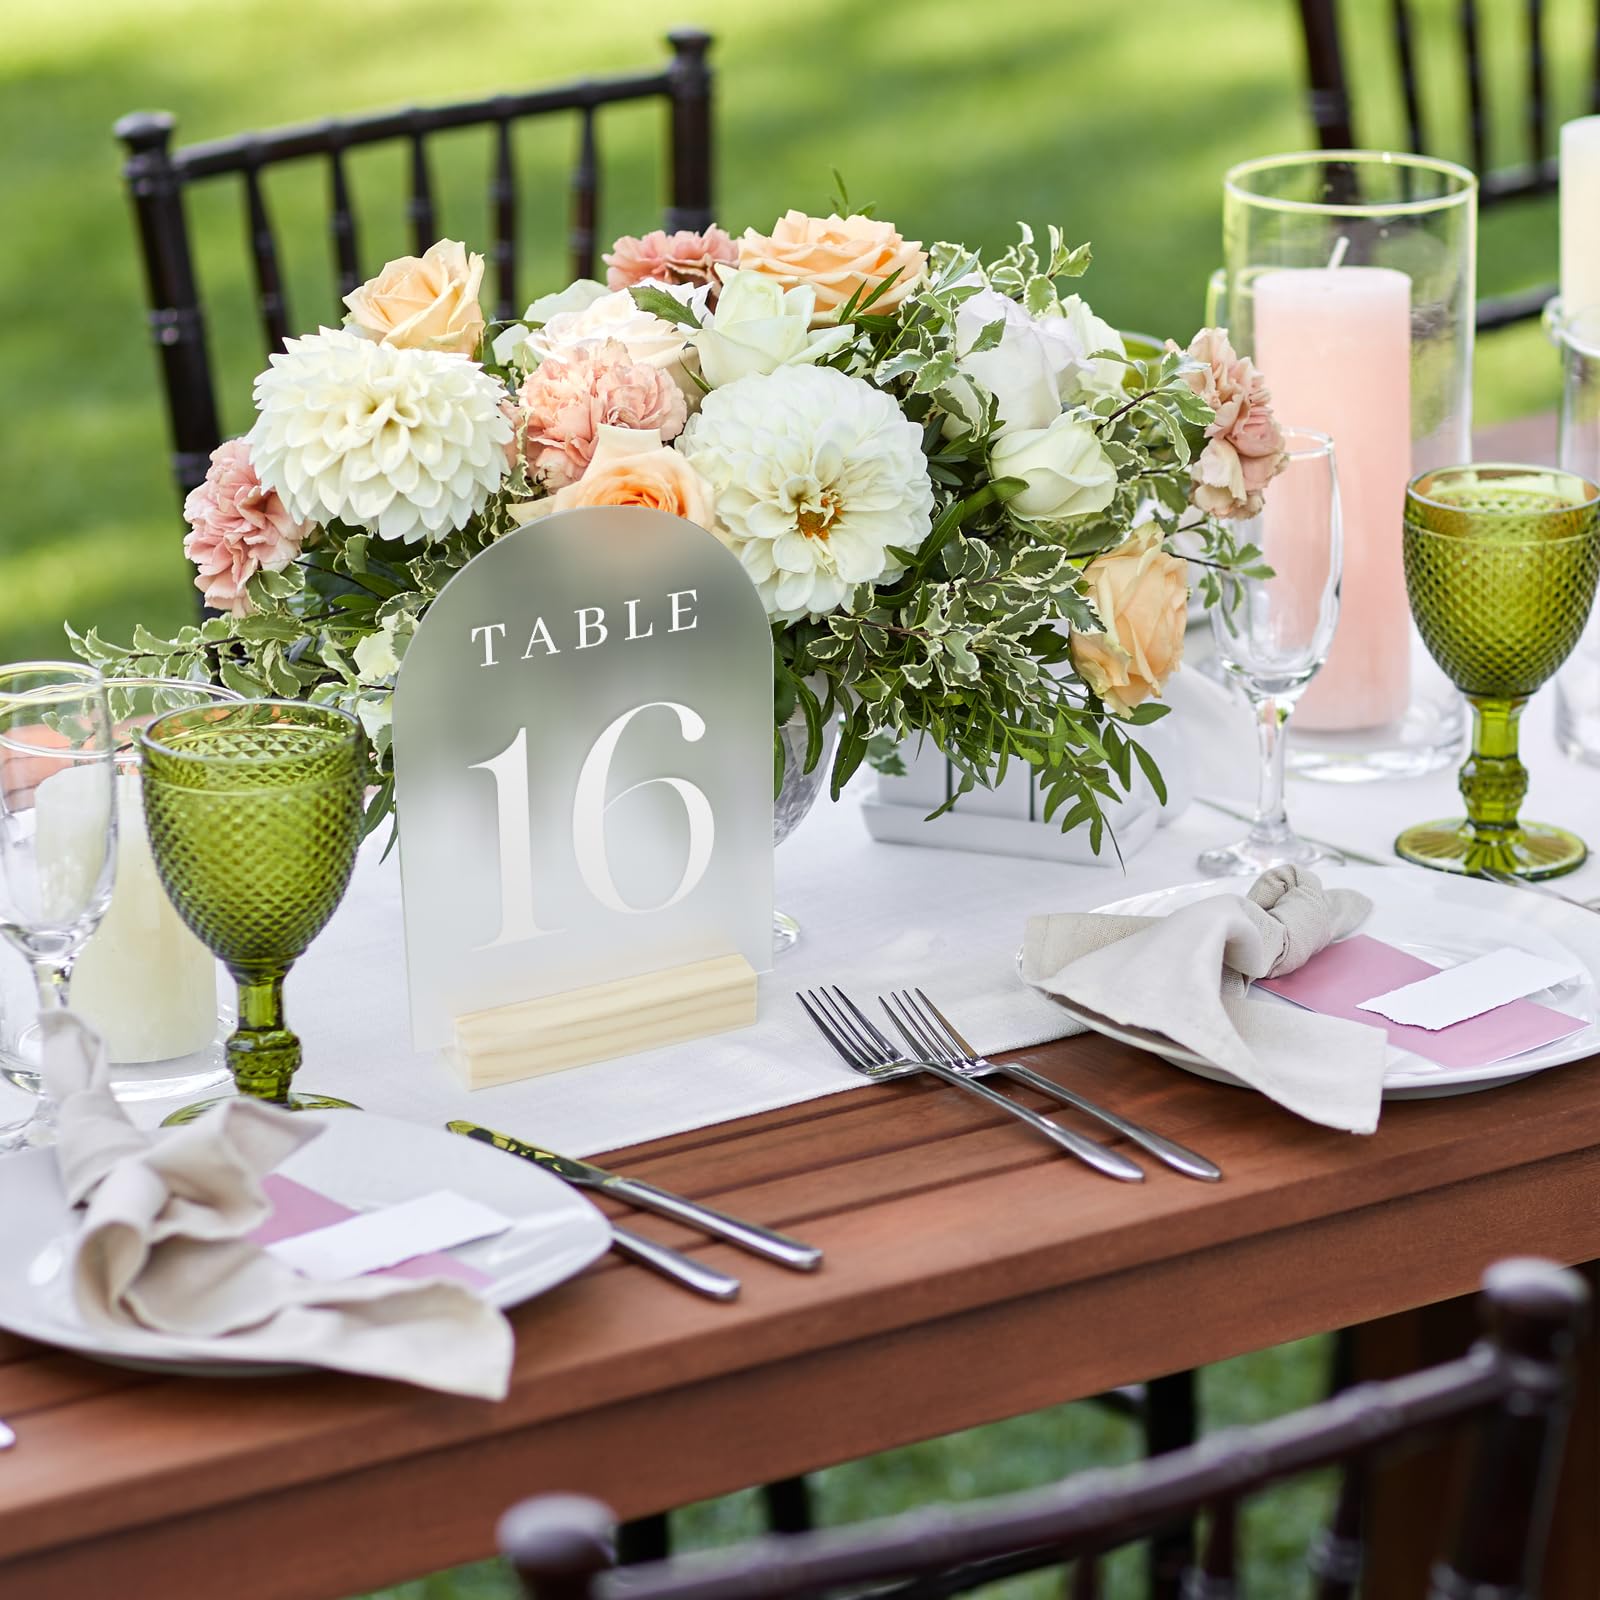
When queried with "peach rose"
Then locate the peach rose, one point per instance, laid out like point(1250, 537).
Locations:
point(836, 256)
point(662, 257)
point(237, 528)
point(1244, 450)
point(423, 303)
point(567, 399)
point(1141, 594)
point(631, 467)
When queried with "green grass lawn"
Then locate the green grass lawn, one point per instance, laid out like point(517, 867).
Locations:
point(954, 117)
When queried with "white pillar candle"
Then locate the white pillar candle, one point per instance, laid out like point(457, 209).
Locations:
point(1334, 344)
point(144, 981)
point(1580, 215)
point(71, 813)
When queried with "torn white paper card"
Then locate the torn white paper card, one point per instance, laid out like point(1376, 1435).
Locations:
point(385, 1238)
point(1469, 990)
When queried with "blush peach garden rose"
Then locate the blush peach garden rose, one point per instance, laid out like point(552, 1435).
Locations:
point(427, 302)
point(567, 399)
point(662, 257)
point(1141, 594)
point(836, 256)
point(631, 467)
point(1244, 448)
point(237, 528)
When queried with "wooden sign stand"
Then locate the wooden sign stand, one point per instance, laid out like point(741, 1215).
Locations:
point(532, 1037)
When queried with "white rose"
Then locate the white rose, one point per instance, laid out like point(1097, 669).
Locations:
point(1091, 333)
point(759, 326)
point(1067, 472)
point(510, 344)
point(375, 655)
point(376, 715)
point(1030, 371)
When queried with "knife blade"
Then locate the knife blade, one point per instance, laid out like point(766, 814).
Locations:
point(749, 1236)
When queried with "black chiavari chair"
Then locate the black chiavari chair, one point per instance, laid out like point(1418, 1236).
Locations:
point(1527, 170)
point(158, 176)
point(1509, 1396)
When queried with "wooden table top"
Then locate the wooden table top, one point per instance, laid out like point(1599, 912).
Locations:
point(971, 1274)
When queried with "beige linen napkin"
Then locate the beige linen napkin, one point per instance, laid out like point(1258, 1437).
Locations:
point(1186, 976)
point(164, 1245)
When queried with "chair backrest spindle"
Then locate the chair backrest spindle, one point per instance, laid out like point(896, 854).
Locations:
point(1335, 1558)
point(420, 208)
point(503, 207)
point(1477, 114)
point(690, 79)
point(1538, 104)
point(1216, 1578)
point(264, 255)
point(585, 198)
point(1406, 59)
point(177, 325)
point(342, 217)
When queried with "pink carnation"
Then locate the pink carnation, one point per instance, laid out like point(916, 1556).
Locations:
point(237, 529)
point(568, 398)
point(1245, 449)
point(682, 257)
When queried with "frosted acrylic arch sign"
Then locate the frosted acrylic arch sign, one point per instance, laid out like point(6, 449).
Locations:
point(583, 766)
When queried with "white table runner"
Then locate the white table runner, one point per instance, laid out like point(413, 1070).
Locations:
point(874, 916)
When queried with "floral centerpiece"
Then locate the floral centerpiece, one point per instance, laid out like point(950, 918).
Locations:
point(951, 484)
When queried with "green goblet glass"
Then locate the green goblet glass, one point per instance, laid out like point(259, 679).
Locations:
point(254, 815)
point(1501, 563)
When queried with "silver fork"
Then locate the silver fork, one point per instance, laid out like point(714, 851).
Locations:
point(867, 1051)
point(921, 1026)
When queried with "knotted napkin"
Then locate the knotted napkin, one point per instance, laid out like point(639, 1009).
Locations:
point(1186, 975)
point(164, 1245)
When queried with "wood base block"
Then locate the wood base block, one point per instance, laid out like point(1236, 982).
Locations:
point(620, 1018)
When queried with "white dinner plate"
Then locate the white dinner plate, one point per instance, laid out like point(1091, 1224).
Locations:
point(360, 1160)
point(1443, 920)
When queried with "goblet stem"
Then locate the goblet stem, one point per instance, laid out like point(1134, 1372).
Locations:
point(52, 977)
point(1271, 824)
point(1493, 781)
point(263, 1054)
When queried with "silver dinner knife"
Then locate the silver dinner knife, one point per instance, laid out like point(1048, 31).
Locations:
point(749, 1236)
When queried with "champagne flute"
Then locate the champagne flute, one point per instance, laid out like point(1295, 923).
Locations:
point(1273, 633)
point(58, 832)
point(254, 815)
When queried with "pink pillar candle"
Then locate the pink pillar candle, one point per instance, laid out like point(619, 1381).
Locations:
point(1335, 346)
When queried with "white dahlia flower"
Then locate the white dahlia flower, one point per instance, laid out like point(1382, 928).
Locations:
point(408, 444)
point(816, 474)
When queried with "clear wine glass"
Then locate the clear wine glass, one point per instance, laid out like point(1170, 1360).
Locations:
point(1272, 634)
point(58, 831)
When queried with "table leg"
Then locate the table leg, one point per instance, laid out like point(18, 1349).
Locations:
point(1410, 1498)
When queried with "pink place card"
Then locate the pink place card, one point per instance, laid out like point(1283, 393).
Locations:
point(1338, 979)
point(297, 1210)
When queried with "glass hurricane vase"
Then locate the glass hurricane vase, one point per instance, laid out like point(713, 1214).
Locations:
point(796, 795)
point(1501, 564)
